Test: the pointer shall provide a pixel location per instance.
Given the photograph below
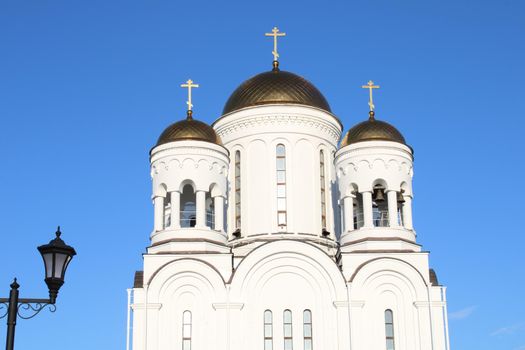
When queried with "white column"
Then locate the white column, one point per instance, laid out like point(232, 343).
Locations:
point(392, 208)
point(367, 209)
point(348, 206)
point(201, 209)
point(407, 213)
point(175, 209)
point(219, 213)
point(158, 217)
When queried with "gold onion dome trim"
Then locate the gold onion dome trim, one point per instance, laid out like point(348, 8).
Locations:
point(372, 130)
point(189, 129)
point(276, 87)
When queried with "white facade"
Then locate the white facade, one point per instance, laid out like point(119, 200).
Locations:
point(227, 270)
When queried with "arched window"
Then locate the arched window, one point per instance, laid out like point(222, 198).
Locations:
point(323, 189)
point(389, 329)
point(238, 190)
point(268, 330)
point(307, 330)
point(186, 330)
point(188, 211)
point(287, 330)
point(281, 186)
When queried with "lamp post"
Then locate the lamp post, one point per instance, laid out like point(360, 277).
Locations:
point(57, 256)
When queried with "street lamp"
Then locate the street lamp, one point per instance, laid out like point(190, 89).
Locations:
point(57, 256)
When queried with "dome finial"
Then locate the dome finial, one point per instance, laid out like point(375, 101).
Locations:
point(189, 84)
point(275, 33)
point(370, 85)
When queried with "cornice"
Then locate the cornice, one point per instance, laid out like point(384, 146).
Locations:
point(281, 119)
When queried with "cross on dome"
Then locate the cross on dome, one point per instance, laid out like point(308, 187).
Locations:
point(370, 86)
point(189, 85)
point(275, 33)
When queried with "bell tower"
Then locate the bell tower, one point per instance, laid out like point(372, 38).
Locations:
point(374, 172)
point(189, 169)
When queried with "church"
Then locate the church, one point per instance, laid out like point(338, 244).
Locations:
point(274, 231)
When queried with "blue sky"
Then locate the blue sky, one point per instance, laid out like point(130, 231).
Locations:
point(86, 87)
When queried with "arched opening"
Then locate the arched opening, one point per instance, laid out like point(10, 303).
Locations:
point(188, 210)
point(167, 210)
point(210, 211)
point(379, 206)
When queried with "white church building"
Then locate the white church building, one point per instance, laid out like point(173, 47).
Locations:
point(273, 231)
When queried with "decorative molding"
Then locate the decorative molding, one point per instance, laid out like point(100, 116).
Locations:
point(341, 304)
point(149, 306)
point(357, 303)
point(425, 304)
point(250, 122)
point(228, 306)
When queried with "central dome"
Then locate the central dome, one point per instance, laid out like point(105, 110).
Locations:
point(275, 87)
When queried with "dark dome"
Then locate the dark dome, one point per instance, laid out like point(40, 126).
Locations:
point(372, 130)
point(189, 129)
point(275, 87)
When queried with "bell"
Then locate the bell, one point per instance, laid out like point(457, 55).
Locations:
point(400, 198)
point(379, 195)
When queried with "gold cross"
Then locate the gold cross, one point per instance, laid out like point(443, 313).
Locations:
point(371, 86)
point(275, 33)
point(189, 84)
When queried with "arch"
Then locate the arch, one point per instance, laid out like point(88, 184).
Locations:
point(170, 271)
point(380, 182)
point(351, 189)
point(161, 190)
point(215, 190)
point(186, 182)
point(404, 271)
point(263, 259)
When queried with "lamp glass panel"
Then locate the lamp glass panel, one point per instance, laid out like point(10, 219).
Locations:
point(60, 263)
point(48, 261)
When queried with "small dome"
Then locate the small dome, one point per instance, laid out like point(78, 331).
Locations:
point(275, 87)
point(372, 130)
point(189, 129)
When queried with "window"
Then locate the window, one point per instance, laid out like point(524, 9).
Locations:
point(287, 328)
point(186, 330)
point(268, 330)
point(238, 189)
point(307, 329)
point(323, 189)
point(389, 329)
point(281, 186)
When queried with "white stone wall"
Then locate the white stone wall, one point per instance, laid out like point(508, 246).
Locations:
point(347, 306)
